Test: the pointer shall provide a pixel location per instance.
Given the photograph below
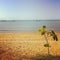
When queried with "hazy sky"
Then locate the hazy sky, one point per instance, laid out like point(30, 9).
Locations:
point(29, 9)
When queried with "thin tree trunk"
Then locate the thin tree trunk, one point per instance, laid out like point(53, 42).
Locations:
point(47, 43)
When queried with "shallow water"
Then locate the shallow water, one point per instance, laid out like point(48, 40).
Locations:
point(8, 26)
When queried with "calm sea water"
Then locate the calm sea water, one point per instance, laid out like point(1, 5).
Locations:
point(7, 26)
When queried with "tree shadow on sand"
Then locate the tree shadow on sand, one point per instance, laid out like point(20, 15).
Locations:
point(42, 57)
point(47, 57)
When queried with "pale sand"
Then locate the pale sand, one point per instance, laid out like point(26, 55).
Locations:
point(26, 45)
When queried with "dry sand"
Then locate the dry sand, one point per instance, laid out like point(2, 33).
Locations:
point(16, 46)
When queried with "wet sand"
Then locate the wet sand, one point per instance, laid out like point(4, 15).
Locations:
point(19, 46)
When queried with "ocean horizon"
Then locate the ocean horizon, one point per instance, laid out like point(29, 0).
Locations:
point(10, 26)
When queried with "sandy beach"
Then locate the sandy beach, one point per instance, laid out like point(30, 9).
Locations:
point(16, 46)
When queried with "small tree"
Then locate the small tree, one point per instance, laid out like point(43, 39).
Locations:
point(45, 32)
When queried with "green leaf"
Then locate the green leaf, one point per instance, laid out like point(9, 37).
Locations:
point(42, 33)
point(52, 32)
point(44, 26)
point(44, 29)
point(47, 45)
point(54, 35)
point(39, 30)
